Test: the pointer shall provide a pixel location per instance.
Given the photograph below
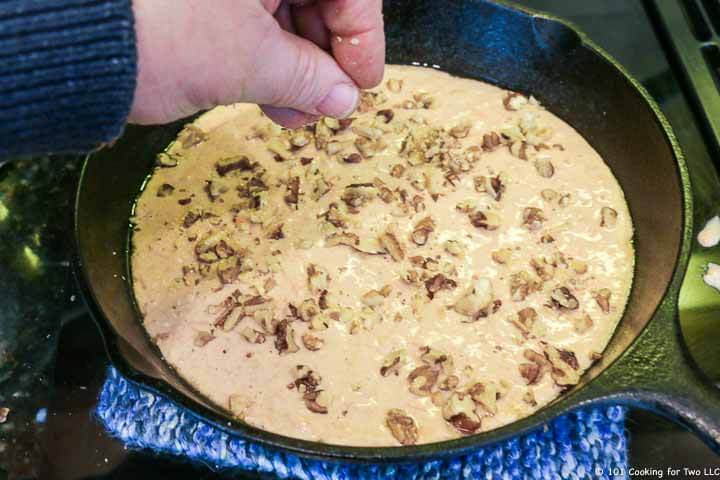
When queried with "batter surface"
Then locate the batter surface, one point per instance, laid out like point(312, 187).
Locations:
point(445, 262)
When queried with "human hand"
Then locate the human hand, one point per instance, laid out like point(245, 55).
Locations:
point(297, 58)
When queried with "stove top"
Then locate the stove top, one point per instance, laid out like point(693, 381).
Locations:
point(52, 362)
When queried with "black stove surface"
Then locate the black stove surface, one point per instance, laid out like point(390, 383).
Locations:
point(52, 363)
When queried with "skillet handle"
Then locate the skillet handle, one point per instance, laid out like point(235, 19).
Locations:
point(659, 374)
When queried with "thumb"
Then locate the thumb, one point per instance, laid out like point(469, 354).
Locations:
point(291, 72)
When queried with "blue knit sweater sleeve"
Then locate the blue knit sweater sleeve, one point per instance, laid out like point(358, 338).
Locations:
point(67, 74)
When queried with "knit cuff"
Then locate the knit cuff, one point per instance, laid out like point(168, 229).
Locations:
point(67, 74)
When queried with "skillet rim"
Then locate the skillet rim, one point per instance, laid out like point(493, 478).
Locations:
point(430, 451)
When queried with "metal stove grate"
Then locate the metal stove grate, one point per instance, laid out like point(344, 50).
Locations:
point(691, 30)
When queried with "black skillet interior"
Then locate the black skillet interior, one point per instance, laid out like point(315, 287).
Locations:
point(478, 39)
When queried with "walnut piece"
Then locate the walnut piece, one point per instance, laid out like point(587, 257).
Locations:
point(390, 243)
point(608, 217)
point(311, 342)
point(422, 231)
point(533, 372)
point(524, 320)
point(472, 303)
point(317, 401)
point(459, 411)
point(564, 366)
point(422, 379)
point(402, 426)
point(318, 278)
point(438, 282)
point(485, 220)
point(252, 336)
point(544, 167)
point(533, 218)
point(393, 362)
point(602, 297)
point(285, 338)
point(562, 299)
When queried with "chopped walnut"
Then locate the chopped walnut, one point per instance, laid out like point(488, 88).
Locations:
point(514, 101)
point(397, 170)
point(454, 248)
point(367, 148)
point(342, 238)
point(422, 231)
point(438, 282)
point(373, 298)
point(386, 115)
point(393, 363)
point(472, 303)
point(394, 85)
point(293, 192)
point(602, 297)
point(493, 186)
point(522, 150)
point(564, 366)
point(390, 243)
point(231, 164)
point(358, 195)
point(491, 141)
point(533, 218)
point(485, 396)
point(534, 371)
point(285, 338)
point(252, 335)
point(562, 299)
point(312, 342)
point(543, 269)
point(544, 167)
point(529, 398)
point(522, 285)
point(422, 379)
point(485, 220)
point(308, 310)
point(578, 266)
point(317, 401)
point(165, 190)
point(424, 100)
point(459, 410)
point(460, 131)
point(437, 359)
point(402, 426)
point(318, 278)
point(608, 217)
point(280, 148)
point(166, 160)
point(549, 195)
point(524, 320)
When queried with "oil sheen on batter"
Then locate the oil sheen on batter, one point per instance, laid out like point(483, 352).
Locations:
point(444, 263)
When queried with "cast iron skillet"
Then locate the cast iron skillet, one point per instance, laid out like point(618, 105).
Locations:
point(645, 365)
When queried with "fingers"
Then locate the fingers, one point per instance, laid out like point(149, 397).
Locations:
point(357, 38)
point(310, 24)
point(289, 71)
point(287, 117)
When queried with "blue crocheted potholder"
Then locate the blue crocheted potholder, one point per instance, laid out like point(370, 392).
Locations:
point(586, 444)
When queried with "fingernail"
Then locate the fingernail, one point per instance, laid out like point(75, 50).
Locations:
point(340, 102)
